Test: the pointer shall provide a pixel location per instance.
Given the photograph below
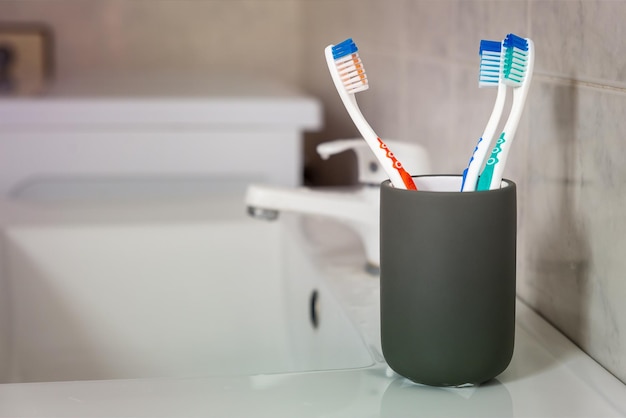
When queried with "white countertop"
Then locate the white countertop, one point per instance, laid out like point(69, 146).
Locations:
point(548, 377)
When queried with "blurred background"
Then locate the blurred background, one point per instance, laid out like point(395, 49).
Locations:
point(422, 61)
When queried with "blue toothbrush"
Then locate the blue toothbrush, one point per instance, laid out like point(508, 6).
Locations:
point(489, 76)
point(517, 69)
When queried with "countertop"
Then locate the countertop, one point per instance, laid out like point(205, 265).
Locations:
point(548, 377)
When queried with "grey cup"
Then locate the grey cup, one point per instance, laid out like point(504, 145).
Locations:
point(448, 280)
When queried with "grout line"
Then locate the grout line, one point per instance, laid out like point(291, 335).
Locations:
point(586, 83)
point(614, 86)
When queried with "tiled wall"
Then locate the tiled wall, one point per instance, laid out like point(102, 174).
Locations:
point(569, 156)
point(421, 57)
point(212, 37)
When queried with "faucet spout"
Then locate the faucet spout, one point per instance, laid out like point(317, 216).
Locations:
point(262, 213)
point(357, 207)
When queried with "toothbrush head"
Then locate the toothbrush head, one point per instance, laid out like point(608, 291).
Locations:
point(490, 56)
point(349, 66)
point(515, 60)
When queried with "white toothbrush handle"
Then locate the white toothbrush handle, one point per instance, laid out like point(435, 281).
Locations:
point(491, 178)
point(470, 177)
point(398, 176)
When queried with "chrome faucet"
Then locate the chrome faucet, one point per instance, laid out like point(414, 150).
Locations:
point(358, 208)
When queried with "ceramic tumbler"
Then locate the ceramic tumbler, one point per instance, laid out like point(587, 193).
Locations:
point(448, 280)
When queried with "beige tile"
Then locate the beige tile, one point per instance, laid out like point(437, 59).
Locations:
point(575, 228)
point(472, 108)
point(381, 102)
point(577, 135)
point(580, 39)
point(491, 19)
point(430, 114)
point(10, 11)
point(556, 30)
point(555, 113)
point(375, 25)
point(321, 26)
point(431, 25)
point(245, 36)
point(380, 24)
point(601, 135)
point(75, 25)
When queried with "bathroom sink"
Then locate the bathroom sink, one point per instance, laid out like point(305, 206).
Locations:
point(191, 308)
point(149, 288)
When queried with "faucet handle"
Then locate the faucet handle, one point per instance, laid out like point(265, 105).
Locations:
point(414, 157)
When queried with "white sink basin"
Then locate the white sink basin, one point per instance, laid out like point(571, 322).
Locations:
point(155, 289)
point(156, 292)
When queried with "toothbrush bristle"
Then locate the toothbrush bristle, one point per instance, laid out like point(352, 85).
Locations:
point(344, 48)
point(515, 59)
point(490, 55)
point(350, 67)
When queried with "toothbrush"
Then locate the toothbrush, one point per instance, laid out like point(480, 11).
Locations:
point(489, 76)
point(517, 70)
point(349, 77)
